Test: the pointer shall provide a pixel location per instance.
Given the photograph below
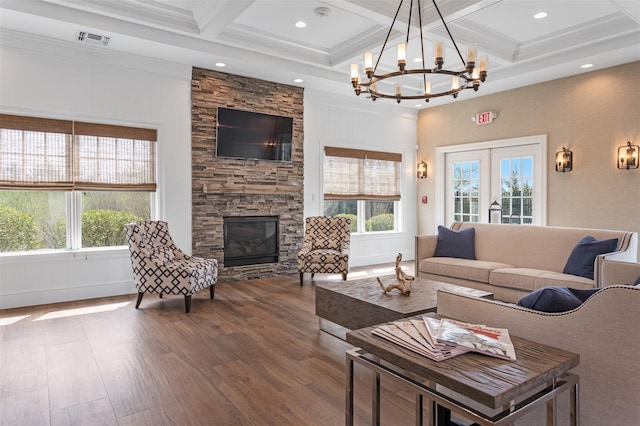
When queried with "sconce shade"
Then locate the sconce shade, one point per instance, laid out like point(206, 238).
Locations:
point(495, 212)
point(564, 160)
point(628, 156)
point(422, 170)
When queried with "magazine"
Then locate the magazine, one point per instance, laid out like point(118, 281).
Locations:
point(443, 339)
point(478, 338)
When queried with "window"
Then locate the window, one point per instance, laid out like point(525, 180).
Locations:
point(67, 184)
point(364, 186)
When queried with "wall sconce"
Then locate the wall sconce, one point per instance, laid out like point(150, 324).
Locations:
point(628, 156)
point(564, 160)
point(422, 170)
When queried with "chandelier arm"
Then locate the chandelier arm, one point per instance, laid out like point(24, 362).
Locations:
point(375, 94)
point(388, 34)
point(449, 32)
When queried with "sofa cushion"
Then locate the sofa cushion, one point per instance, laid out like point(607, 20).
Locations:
point(556, 299)
point(584, 254)
point(529, 279)
point(473, 270)
point(459, 244)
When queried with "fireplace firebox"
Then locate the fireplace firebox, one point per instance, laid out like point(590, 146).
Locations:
point(250, 240)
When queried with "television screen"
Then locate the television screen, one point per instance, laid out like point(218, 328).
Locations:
point(252, 135)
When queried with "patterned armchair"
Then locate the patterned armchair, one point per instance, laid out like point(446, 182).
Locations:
point(326, 246)
point(160, 267)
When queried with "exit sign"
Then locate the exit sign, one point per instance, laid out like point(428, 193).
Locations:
point(484, 117)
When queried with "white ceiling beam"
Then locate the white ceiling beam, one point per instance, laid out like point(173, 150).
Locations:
point(213, 17)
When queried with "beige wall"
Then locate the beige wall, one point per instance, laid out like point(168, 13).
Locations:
point(591, 114)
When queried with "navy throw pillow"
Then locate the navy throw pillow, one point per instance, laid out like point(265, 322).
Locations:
point(637, 281)
point(461, 244)
point(584, 254)
point(556, 299)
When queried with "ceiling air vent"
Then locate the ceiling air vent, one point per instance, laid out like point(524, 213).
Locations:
point(95, 39)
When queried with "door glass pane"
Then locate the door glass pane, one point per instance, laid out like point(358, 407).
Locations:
point(516, 177)
point(466, 191)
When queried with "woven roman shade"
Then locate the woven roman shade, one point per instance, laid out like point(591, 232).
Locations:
point(114, 158)
point(45, 154)
point(35, 153)
point(354, 174)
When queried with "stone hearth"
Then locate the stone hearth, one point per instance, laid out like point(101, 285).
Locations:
point(234, 187)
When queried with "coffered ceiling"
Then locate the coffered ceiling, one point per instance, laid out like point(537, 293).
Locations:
point(259, 38)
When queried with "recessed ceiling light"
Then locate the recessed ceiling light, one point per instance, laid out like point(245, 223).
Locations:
point(301, 24)
point(220, 64)
point(418, 59)
point(297, 80)
point(418, 105)
point(586, 65)
point(540, 15)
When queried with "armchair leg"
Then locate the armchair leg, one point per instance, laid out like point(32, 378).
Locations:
point(301, 275)
point(139, 299)
point(344, 277)
point(187, 303)
point(160, 295)
point(212, 290)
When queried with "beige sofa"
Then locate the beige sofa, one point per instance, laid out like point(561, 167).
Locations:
point(514, 260)
point(604, 331)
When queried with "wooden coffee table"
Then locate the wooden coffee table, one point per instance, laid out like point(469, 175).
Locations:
point(350, 305)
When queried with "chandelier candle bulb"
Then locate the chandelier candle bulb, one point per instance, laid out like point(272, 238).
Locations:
point(471, 54)
point(471, 58)
point(354, 72)
point(368, 64)
point(427, 87)
point(438, 53)
point(402, 56)
point(484, 62)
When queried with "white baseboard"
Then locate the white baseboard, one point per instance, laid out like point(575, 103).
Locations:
point(16, 300)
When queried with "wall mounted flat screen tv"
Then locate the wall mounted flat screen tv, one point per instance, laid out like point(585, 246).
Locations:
point(252, 135)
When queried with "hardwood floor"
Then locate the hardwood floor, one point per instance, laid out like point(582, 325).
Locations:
point(252, 356)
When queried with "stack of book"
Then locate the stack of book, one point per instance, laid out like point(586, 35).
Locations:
point(440, 339)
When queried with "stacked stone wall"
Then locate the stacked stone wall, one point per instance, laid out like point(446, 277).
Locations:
point(240, 187)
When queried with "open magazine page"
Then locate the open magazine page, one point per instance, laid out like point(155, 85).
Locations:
point(478, 338)
point(399, 337)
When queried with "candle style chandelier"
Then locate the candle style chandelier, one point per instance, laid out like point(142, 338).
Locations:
point(469, 78)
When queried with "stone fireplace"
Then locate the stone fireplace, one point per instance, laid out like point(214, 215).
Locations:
point(235, 188)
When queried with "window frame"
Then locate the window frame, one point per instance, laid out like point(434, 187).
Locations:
point(73, 189)
point(363, 199)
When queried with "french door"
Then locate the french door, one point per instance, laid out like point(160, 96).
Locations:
point(510, 172)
